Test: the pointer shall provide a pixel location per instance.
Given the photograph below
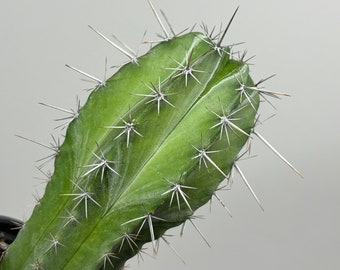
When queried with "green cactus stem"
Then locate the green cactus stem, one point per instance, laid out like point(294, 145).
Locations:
point(150, 146)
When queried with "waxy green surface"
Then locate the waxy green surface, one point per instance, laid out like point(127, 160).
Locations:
point(141, 169)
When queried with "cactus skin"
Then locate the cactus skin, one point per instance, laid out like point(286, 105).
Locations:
point(119, 180)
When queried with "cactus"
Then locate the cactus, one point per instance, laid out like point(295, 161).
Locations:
point(151, 145)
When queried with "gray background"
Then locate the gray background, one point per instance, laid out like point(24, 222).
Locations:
point(298, 40)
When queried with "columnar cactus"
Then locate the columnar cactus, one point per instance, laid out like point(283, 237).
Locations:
point(151, 145)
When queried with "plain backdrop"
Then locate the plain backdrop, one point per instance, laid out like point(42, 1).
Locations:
point(297, 40)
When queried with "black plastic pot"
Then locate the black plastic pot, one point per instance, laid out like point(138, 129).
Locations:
point(9, 229)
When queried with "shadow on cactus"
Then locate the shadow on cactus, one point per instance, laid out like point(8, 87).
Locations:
point(151, 145)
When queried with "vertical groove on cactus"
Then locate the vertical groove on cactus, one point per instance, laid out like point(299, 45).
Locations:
point(150, 146)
